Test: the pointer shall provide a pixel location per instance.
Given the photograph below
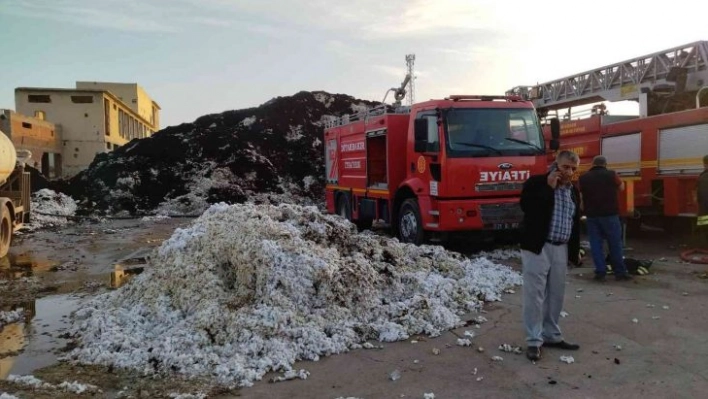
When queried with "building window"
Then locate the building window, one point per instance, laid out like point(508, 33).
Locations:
point(39, 98)
point(40, 115)
point(108, 146)
point(107, 116)
point(26, 125)
point(126, 125)
point(120, 122)
point(81, 99)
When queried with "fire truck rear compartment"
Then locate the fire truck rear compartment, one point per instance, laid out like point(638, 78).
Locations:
point(376, 172)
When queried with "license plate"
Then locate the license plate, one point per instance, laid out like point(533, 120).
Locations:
point(505, 226)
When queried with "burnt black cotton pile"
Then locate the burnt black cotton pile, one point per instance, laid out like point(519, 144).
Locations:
point(275, 148)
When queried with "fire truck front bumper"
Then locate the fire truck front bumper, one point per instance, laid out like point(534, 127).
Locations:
point(461, 215)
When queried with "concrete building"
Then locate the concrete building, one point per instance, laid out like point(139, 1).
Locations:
point(41, 138)
point(94, 117)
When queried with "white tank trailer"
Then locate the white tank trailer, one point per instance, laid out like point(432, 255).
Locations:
point(14, 191)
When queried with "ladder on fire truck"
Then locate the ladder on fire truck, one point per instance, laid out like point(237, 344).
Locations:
point(681, 68)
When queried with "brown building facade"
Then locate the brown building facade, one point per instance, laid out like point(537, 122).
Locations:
point(40, 137)
point(92, 117)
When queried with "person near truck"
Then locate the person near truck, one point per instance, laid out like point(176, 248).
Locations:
point(550, 239)
point(599, 188)
point(702, 197)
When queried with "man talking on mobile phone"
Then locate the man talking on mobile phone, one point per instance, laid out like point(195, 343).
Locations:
point(550, 239)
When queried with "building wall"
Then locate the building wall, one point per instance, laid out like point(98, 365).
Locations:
point(41, 138)
point(81, 122)
point(125, 124)
point(92, 120)
point(133, 96)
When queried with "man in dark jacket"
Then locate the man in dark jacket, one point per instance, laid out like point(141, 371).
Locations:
point(550, 239)
point(702, 189)
point(702, 194)
point(599, 188)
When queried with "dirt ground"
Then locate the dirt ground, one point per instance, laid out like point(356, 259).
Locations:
point(659, 321)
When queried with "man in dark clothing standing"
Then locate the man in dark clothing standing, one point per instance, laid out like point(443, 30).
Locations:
point(599, 188)
point(702, 194)
point(702, 189)
point(550, 239)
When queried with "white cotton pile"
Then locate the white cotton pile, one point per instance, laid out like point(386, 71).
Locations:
point(66, 386)
point(12, 316)
point(501, 254)
point(249, 289)
point(50, 209)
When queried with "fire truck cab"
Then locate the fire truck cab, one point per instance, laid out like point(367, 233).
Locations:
point(442, 166)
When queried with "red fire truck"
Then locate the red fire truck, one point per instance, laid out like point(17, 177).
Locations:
point(657, 153)
point(437, 167)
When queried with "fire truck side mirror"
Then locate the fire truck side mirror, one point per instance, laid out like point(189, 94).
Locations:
point(420, 128)
point(555, 135)
point(555, 128)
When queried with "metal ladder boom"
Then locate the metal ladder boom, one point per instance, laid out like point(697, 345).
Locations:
point(626, 80)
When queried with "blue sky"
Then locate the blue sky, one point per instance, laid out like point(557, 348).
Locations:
point(204, 56)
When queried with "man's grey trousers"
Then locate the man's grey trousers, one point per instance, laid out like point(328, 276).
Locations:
point(544, 290)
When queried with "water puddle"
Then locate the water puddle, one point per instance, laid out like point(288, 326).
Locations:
point(34, 341)
point(32, 326)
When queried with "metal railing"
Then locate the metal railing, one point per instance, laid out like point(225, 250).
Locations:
point(378, 110)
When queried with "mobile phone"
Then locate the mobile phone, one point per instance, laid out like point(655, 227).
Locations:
point(554, 167)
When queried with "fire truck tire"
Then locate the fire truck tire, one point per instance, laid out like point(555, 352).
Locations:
point(410, 224)
point(5, 230)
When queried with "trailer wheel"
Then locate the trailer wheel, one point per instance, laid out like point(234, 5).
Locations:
point(410, 224)
point(5, 230)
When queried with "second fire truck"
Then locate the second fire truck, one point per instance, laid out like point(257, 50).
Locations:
point(658, 153)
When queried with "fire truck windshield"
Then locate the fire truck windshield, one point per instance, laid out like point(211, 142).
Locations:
point(485, 132)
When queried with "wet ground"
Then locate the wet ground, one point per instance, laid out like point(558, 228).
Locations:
point(48, 272)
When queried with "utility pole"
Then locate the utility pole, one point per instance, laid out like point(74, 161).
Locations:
point(410, 62)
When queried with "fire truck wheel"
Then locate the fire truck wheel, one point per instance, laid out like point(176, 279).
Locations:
point(410, 224)
point(5, 230)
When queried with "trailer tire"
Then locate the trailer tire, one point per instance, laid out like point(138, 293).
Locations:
point(5, 230)
point(410, 223)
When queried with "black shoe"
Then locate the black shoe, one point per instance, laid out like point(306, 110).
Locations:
point(562, 345)
point(599, 278)
point(623, 277)
point(533, 353)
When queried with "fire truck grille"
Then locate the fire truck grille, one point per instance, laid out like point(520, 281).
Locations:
point(501, 213)
point(499, 186)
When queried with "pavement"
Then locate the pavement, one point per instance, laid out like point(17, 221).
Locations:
point(659, 321)
point(664, 354)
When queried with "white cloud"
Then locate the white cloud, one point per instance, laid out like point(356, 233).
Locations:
point(144, 16)
point(398, 72)
point(278, 47)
